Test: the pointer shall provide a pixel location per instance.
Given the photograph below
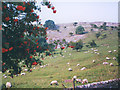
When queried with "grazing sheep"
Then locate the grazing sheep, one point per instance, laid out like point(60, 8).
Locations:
point(111, 64)
point(74, 77)
point(83, 68)
point(5, 76)
point(85, 52)
point(22, 74)
point(93, 61)
point(8, 71)
point(105, 63)
point(114, 58)
point(68, 63)
point(107, 58)
point(115, 50)
point(78, 64)
point(78, 80)
point(92, 49)
point(95, 50)
point(63, 56)
point(110, 51)
point(54, 82)
point(70, 54)
point(8, 85)
point(33, 67)
point(84, 81)
point(41, 66)
point(25, 69)
point(70, 69)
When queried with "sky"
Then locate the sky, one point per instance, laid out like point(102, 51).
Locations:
point(69, 11)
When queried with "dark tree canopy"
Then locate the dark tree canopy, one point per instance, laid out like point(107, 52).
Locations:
point(50, 24)
point(79, 30)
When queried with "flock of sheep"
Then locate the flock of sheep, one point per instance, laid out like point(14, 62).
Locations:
point(8, 84)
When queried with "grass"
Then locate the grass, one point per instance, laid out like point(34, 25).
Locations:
point(58, 68)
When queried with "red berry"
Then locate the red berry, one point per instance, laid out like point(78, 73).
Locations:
point(54, 11)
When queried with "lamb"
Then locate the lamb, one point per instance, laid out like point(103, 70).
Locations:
point(110, 51)
point(70, 69)
point(114, 58)
point(25, 69)
point(84, 81)
point(83, 68)
point(8, 85)
point(78, 80)
point(74, 77)
point(68, 63)
point(111, 64)
point(93, 61)
point(105, 63)
point(107, 58)
point(78, 64)
point(22, 74)
point(54, 82)
point(5, 76)
point(114, 50)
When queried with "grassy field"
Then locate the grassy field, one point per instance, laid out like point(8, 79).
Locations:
point(58, 67)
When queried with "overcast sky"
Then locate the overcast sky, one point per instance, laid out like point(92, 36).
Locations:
point(69, 11)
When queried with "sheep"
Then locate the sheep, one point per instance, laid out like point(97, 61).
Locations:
point(83, 68)
point(78, 64)
point(105, 63)
point(5, 76)
point(93, 61)
point(92, 49)
point(110, 51)
point(22, 74)
point(33, 67)
point(41, 66)
point(74, 77)
point(111, 64)
point(84, 81)
point(70, 69)
point(114, 50)
point(95, 50)
point(85, 52)
point(25, 69)
point(70, 54)
point(8, 85)
point(68, 63)
point(54, 82)
point(63, 56)
point(78, 80)
point(107, 58)
point(114, 58)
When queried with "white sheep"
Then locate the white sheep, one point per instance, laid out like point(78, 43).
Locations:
point(54, 82)
point(74, 77)
point(25, 69)
point(78, 80)
point(84, 81)
point(41, 66)
point(114, 58)
point(5, 76)
point(107, 58)
point(83, 68)
point(68, 63)
point(115, 50)
point(23, 74)
point(33, 67)
point(105, 63)
point(110, 51)
point(92, 49)
point(93, 61)
point(111, 64)
point(70, 69)
point(8, 85)
point(70, 54)
point(63, 56)
point(78, 64)
point(95, 50)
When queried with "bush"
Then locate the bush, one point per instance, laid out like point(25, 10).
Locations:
point(79, 30)
point(92, 43)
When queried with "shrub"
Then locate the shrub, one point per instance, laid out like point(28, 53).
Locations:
point(79, 30)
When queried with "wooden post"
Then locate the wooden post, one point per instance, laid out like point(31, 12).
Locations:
point(73, 80)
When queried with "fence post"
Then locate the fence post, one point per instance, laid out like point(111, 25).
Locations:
point(73, 81)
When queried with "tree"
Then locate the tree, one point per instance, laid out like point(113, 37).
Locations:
point(50, 24)
point(75, 23)
point(94, 26)
point(92, 43)
point(98, 34)
point(71, 34)
point(79, 45)
point(79, 30)
point(20, 38)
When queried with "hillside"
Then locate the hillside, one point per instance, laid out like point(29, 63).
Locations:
point(57, 66)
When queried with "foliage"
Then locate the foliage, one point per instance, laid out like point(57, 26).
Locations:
point(21, 40)
point(101, 35)
point(79, 30)
point(75, 23)
point(50, 24)
point(71, 34)
point(92, 43)
point(94, 26)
